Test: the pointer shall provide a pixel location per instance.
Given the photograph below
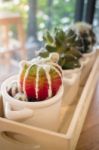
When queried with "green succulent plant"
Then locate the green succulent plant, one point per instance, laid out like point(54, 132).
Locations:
point(69, 62)
point(67, 44)
point(87, 35)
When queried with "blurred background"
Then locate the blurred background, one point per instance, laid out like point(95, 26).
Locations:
point(23, 22)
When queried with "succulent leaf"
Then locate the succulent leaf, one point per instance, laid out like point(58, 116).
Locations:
point(75, 53)
point(44, 54)
point(51, 48)
point(69, 62)
point(48, 38)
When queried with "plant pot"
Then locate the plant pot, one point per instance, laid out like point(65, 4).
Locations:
point(44, 114)
point(87, 61)
point(71, 82)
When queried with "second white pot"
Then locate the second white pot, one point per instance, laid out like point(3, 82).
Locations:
point(71, 82)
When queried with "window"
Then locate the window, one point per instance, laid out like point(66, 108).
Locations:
point(96, 21)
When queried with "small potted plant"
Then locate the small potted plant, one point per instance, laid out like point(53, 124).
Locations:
point(84, 30)
point(34, 96)
point(68, 45)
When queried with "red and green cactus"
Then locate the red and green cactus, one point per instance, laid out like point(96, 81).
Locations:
point(40, 81)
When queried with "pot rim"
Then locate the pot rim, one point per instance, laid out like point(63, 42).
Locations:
point(89, 53)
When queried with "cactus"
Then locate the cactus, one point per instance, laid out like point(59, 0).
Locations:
point(40, 81)
point(69, 61)
point(84, 30)
point(67, 44)
point(20, 96)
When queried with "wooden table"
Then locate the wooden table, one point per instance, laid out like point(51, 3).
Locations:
point(89, 139)
point(7, 20)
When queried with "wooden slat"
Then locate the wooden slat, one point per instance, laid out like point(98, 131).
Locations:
point(82, 107)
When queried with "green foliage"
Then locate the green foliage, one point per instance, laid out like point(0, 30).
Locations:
point(69, 62)
point(67, 44)
point(59, 14)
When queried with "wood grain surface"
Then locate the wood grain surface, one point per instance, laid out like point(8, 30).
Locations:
point(89, 138)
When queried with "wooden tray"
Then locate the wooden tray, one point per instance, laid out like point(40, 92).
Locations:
point(70, 125)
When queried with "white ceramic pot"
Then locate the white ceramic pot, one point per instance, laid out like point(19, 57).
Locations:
point(44, 114)
point(69, 72)
point(71, 82)
point(87, 61)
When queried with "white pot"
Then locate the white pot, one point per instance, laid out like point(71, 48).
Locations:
point(69, 72)
point(44, 114)
point(71, 82)
point(87, 61)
